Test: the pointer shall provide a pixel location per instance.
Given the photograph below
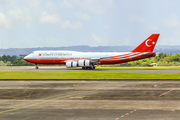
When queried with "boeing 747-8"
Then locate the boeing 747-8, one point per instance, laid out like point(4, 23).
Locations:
point(89, 60)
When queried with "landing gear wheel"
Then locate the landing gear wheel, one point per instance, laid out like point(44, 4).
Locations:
point(36, 66)
point(91, 67)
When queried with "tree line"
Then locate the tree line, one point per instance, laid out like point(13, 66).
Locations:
point(8, 60)
point(161, 59)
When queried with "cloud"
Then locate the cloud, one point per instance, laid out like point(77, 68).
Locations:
point(26, 12)
point(4, 22)
point(33, 5)
point(19, 13)
point(172, 21)
point(83, 16)
point(67, 24)
point(96, 38)
point(55, 19)
point(51, 6)
point(93, 6)
point(66, 4)
point(46, 18)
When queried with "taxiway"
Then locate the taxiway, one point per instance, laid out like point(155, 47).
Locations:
point(90, 100)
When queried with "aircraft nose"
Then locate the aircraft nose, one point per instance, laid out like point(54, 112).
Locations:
point(26, 57)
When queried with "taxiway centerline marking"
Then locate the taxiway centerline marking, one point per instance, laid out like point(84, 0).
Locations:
point(166, 92)
point(127, 114)
point(47, 101)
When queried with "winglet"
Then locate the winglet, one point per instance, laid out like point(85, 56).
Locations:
point(148, 45)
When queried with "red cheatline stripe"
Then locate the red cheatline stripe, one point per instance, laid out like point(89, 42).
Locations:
point(107, 59)
point(128, 54)
point(126, 57)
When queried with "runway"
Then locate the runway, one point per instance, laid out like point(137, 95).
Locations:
point(42, 68)
point(90, 100)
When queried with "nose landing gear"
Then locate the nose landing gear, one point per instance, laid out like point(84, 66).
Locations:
point(36, 66)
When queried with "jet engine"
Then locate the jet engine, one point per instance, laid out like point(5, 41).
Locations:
point(78, 63)
point(69, 64)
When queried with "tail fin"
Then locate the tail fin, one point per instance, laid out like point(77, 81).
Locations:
point(148, 45)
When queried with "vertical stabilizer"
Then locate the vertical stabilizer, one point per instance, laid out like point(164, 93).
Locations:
point(148, 45)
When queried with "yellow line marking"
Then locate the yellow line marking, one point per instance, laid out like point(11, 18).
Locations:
point(74, 85)
point(166, 92)
point(48, 101)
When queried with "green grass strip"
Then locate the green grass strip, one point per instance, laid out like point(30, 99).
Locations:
point(84, 75)
point(158, 67)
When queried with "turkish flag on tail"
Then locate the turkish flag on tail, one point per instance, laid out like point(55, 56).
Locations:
point(148, 45)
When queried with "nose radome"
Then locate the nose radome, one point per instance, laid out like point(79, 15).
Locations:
point(26, 57)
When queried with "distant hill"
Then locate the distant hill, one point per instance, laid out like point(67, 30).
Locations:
point(84, 48)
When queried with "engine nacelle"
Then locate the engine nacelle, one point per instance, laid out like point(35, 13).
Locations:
point(87, 63)
point(74, 64)
point(69, 64)
point(79, 63)
point(84, 63)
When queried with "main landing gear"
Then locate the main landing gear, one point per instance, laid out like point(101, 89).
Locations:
point(36, 66)
point(91, 67)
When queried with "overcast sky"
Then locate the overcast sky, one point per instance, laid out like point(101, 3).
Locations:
point(56, 23)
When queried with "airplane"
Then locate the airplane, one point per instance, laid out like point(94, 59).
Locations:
point(89, 60)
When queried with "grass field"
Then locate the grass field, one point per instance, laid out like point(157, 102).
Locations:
point(158, 67)
point(83, 75)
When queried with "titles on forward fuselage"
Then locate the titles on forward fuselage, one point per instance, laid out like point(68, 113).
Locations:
point(55, 54)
